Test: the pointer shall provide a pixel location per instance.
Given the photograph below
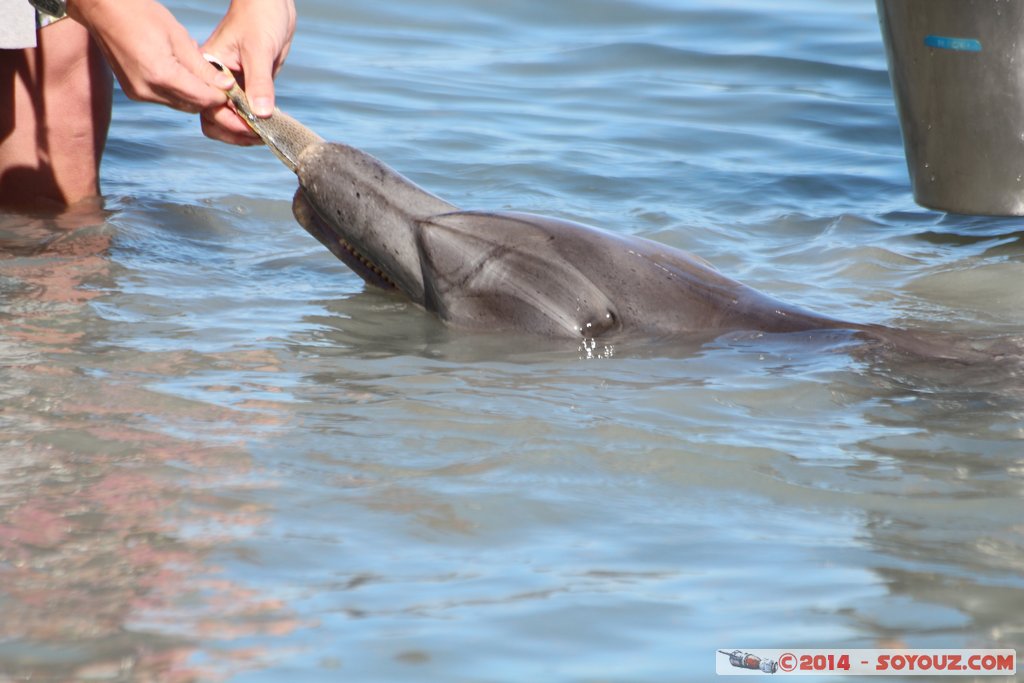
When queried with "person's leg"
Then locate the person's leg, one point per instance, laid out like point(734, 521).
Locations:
point(54, 120)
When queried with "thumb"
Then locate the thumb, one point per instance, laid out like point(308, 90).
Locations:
point(258, 66)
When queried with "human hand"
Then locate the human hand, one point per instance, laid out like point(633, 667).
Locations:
point(152, 55)
point(252, 40)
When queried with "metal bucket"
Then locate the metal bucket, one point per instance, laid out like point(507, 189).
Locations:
point(957, 70)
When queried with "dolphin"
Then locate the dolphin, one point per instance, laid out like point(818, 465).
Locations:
point(508, 271)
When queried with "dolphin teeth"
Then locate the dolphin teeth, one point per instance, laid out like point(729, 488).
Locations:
point(372, 267)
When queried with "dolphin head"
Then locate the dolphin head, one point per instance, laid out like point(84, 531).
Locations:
point(478, 270)
point(365, 213)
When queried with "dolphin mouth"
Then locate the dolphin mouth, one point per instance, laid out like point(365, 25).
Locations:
point(309, 218)
point(364, 267)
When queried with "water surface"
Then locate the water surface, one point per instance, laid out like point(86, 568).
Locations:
point(223, 459)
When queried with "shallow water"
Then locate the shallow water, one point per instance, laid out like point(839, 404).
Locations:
point(223, 459)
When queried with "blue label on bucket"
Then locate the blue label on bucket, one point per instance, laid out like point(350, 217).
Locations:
point(959, 44)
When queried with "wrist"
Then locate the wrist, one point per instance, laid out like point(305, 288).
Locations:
point(81, 10)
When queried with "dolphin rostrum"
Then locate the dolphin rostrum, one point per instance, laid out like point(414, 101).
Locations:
point(494, 271)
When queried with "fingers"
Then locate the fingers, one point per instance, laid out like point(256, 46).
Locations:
point(179, 88)
point(258, 67)
point(221, 123)
point(193, 60)
point(165, 79)
point(215, 127)
point(191, 83)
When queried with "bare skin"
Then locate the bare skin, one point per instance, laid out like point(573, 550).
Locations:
point(253, 44)
point(53, 132)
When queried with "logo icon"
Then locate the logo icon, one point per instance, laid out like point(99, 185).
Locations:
point(745, 660)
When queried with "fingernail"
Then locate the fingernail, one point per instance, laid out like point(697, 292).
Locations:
point(262, 106)
point(225, 81)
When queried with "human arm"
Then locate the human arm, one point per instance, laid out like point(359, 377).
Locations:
point(152, 55)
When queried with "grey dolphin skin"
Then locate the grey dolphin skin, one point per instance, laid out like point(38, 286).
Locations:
point(495, 271)
point(513, 271)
